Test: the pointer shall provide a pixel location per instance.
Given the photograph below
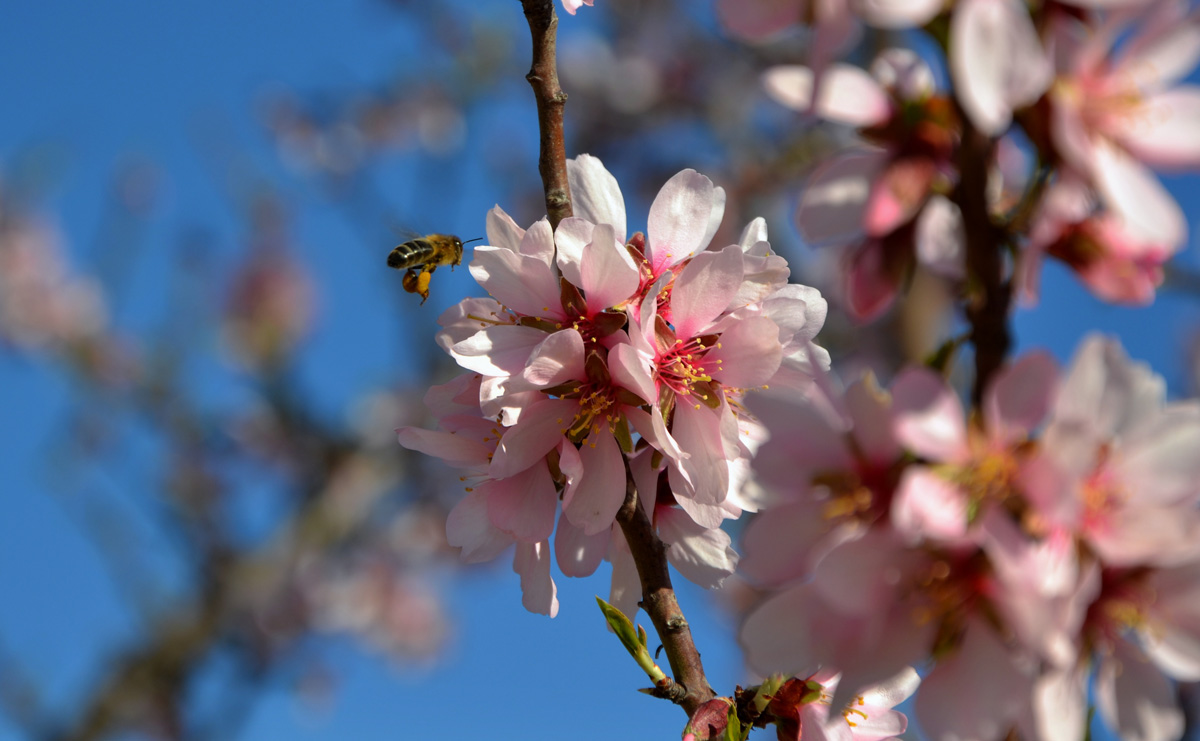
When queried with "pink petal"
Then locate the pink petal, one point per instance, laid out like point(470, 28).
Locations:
point(454, 450)
point(523, 505)
point(1132, 191)
point(929, 507)
point(997, 61)
point(558, 359)
point(847, 93)
point(929, 416)
point(1174, 641)
point(897, 194)
point(978, 693)
point(538, 242)
point(595, 195)
point(502, 231)
point(777, 636)
point(784, 545)
point(499, 350)
point(1159, 458)
point(941, 238)
point(747, 354)
point(607, 271)
point(539, 430)
point(871, 283)
point(520, 282)
point(469, 528)
point(897, 13)
point(466, 318)
point(632, 370)
point(577, 553)
point(1165, 50)
point(833, 204)
point(1060, 704)
point(679, 219)
point(704, 288)
point(572, 238)
point(871, 410)
point(1135, 699)
point(593, 503)
point(706, 471)
point(1163, 131)
point(1018, 398)
point(538, 593)
point(703, 555)
point(626, 590)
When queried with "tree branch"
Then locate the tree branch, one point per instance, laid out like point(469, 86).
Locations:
point(988, 308)
point(543, 77)
point(658, 600)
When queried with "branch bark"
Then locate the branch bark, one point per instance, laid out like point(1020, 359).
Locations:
point(543, 78)
point(988, 309)
point(658, 600)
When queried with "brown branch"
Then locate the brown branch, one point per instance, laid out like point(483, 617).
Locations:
point(988, 308)
point(658, 600)
point(543, 77)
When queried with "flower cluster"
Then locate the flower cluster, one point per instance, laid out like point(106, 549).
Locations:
point(602, 359)
point(1078, 102)
point(1054, 535)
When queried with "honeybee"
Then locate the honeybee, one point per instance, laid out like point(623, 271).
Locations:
point(421, 256)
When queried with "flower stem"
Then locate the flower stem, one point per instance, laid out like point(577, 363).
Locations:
point(988, 309)
point(658, 600)
point(543, 77)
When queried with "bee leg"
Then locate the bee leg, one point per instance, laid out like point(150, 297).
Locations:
point(422, 286)
point(410, 280)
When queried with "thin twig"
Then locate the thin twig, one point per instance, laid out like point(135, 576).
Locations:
point(543, 77)
point(988, 309)
point(658, 600)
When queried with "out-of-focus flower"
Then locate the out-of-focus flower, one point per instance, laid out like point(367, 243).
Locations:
point(269, 309)
point(42, 305)
point(883, 205)
point(1116, 110)
point(1020, 562)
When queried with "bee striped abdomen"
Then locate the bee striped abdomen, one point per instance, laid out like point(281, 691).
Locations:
point(411, 254)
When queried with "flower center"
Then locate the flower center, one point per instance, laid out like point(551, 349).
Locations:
point(683, 369)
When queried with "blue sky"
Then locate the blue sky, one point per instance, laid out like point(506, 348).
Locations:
point(92, 85)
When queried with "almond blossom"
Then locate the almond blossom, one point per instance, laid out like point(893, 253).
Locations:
point(883, 204)
point(598, 353)
point(1053, 535)
point(1116, 110)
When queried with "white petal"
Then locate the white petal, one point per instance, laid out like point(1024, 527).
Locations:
point(997, 61)
point(832, 205)
point(1163, 131)
point(538, 593)
point(1132, 191)
point(595, 194)
point(608, 274)
point(847, 93)
point(679, 219)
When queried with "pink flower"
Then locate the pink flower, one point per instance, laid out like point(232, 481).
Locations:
point(1116, 112)
point(971, 469)
point(880, 203)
